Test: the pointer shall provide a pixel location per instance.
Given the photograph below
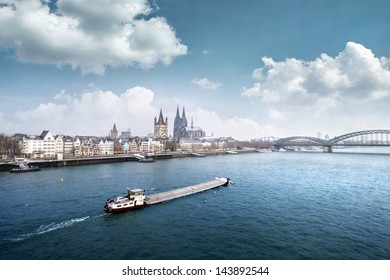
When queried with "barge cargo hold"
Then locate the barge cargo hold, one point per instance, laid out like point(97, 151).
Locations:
point(136, 198)
point(176, 193)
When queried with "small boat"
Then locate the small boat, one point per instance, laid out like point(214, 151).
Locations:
point(146, 160)
point(21, 167)
point(134, 199)
point(264, 150)
point(139, 156)
point(198, 155)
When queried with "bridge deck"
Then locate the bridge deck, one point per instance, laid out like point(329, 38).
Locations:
point(176, 193)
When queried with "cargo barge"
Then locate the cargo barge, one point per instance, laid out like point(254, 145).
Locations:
point(136, 198)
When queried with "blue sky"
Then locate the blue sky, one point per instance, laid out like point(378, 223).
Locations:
point(245, 69)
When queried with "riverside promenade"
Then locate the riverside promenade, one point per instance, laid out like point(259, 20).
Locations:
point(46, 163)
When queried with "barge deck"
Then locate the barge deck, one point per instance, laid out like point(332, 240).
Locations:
point(176, 193)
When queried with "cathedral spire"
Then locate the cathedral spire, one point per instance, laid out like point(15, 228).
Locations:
point(184, 119)
point(177, 112)
point(161, 118)
point(184, 113)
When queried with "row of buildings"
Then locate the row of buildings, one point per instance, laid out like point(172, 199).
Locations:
point(47, 145)
point(188, 138)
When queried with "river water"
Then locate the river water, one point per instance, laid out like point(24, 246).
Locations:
point(280, 206)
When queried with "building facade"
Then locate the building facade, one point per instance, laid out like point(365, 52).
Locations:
point(105, 147)
point(43, 146)
point(161, 127)
point(69, 149)
point(77, 147)
point(194, 132)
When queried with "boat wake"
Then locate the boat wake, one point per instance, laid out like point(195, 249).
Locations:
point(101, 215)
point(48, 228)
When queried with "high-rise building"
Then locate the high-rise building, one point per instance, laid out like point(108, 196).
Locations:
point(126, 134)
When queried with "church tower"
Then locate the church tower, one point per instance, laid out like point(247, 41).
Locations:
point(184, 119)
point(160, 127)
point(113, 132)
point(177, 125)
point(180, 124)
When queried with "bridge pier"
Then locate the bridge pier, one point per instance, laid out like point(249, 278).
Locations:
point(327, 149)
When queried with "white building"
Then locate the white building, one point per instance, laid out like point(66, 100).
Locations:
point(43, 146)
point(68, 146)
point(133, 146)
point(193, 145)
point(151, 146)
point(157, 146)
point(59, 147)
point(106, 147)
point(48, 144)
point(32, 147)
point(77, 147)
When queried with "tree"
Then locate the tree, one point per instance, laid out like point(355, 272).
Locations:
point(8, 145)
point(172, 145)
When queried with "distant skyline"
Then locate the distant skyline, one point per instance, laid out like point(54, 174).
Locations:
point(244, 69)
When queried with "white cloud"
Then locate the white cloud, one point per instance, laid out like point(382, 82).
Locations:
point(237, 127)
point(6, 124)
point(328, 93)
point(86, 36)
point(276, 116)
point(205, 83)
point(92, 113)
point(95, 112)
point(354, 75)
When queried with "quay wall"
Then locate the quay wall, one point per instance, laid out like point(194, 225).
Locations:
point(44, 163)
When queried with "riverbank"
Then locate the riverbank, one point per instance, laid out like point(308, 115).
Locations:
point(47, 163)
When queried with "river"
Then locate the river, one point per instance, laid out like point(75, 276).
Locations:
point(280, 206)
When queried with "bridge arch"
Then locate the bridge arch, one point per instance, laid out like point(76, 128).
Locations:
point(338, 139)
point(314, 140)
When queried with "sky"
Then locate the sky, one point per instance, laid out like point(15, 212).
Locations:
point(245, 69)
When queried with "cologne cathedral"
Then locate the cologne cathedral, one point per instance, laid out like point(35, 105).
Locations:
point(181, 129)
point(180, 124)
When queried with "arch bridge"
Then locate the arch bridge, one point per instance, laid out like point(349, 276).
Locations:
point(358, 138)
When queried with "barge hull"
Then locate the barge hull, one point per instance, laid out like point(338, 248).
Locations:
point(176, 193)
point(124, 209)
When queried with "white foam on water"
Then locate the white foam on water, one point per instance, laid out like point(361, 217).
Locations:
point(101, 215)
point(50, 227)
